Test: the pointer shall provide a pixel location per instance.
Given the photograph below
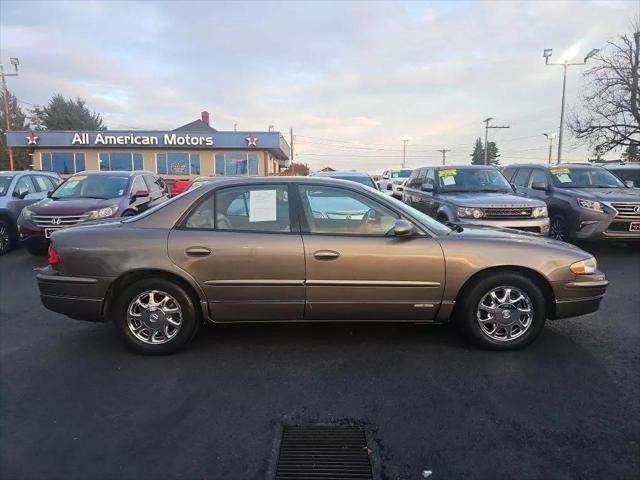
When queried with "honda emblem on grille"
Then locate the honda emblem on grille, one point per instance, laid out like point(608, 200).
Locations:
point(637, 209)
point(56, 221)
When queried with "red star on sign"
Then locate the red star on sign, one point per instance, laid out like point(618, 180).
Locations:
point(251, 141)
point(32, 139)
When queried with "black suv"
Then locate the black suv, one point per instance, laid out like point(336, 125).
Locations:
point(474, 194)
point(585, 201)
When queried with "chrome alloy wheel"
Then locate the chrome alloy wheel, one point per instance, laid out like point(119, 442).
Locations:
point(505, 313)
point(5, 239)
point(154, 317)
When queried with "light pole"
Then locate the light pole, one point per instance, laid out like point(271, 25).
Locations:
point(15, 62)
point(404, 151)
point(486, 122)
point(546, 54)
point(550, 137)
point(444, 153)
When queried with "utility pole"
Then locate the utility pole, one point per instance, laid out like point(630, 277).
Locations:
point(404, 151)
point(444, 153)
point(15, 62)
point(291, 144)
point(550, 137)
point(546, 54)
point(486, 122)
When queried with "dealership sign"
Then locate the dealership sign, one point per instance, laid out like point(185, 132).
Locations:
point(134, 139)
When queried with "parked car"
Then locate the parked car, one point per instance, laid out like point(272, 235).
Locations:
point(392, 181)
point(310, 249)
point(179, 186)
point(474, 194)
point(17, 190)
point(85, 197)
point(585, 201)
point(627, 172)
point(358, 177)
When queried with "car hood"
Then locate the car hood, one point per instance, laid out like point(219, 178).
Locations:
point(490, 200)
point(72, 206)
point(606, 194)
point(472, 231)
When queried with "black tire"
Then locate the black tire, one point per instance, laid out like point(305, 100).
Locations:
point(190, 321)
point(8, 237)
point(128, 213)
point(559, 227)
point(469, 303)
point(37, 249)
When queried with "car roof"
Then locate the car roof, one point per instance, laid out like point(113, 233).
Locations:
point(309, 180)
point(459, 167)
point(623, 166)
point(342, 174)
point(21, 172)
point(116, 172)
point(554, 165)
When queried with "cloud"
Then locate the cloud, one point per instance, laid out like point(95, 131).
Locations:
point(353, 74)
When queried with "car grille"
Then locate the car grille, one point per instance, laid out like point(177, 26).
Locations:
point(58, 221)
point(627, 211)
point(507, 212)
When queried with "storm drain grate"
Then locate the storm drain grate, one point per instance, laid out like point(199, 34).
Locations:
point(323, 452)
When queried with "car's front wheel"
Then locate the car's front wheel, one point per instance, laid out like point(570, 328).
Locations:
point(7, 237)
point(156, 316)
point(503, 311)
point(559, 227)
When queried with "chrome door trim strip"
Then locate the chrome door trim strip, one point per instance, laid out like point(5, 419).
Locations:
point(370, 283)
point(255, 283)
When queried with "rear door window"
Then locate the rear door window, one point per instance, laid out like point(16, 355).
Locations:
point(43, 184)
point(258, 208)
point(521, 177)
point(538, 176)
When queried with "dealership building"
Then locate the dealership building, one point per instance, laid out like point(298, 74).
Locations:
point(186, 152)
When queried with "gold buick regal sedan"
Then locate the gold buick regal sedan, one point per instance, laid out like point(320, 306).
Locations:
point(310, 250)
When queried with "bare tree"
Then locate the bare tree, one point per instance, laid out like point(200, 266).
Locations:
point(611, 106)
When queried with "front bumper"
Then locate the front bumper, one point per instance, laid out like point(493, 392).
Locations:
point(80, 298)
point(579, 296)
point(608, 225)
point(539, 226)
point(397, 190)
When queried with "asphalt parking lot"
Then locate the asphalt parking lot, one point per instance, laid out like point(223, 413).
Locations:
point(75, 404)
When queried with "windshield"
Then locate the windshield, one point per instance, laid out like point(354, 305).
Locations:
point(569, 177)
point(363, 180)
point(431, 224)
point(5, 181)
point(401, 173)
point(472, 180)
point(625, 174)
point(92, 186)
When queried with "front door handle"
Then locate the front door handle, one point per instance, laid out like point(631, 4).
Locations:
point(198, 251)
point(326, 255)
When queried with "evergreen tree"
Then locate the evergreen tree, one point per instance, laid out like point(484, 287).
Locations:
point(67, 114)
point(17, 121)
point(632, 153)
point(493, 154)
point(477, 157)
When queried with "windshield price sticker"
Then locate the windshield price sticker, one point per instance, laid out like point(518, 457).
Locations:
point(77, 178)
point(447, 173)
point(448, 180)
point(560, 171)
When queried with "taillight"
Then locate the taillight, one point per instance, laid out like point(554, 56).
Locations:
point(53, 259)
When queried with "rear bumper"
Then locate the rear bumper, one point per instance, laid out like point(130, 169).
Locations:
point(80, 298)
point(579, 297)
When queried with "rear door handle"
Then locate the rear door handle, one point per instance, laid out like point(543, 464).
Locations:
point(326, 255)
point(198, 251)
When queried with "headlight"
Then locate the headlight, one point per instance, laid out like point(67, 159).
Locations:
point(590, 205)
point(466, 212)
point(103, 213)
point(584, 267)
point(26, 213)
point(540, 212)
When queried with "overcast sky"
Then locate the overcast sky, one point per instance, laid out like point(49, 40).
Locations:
point(352, 79)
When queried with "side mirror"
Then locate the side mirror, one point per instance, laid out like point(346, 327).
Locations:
point(21, 193)
point(140, 194)
point(403, 228)
point(389, 187)
point(426, 187)
point(629, 183)
point(539, 186)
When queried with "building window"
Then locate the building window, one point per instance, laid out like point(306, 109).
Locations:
point(236, 164)
point(178, 163)
point(121, 161)
point(65, 163)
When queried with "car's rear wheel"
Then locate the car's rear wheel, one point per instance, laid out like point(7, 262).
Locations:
point(559, 227)
point(156, 316)
point(503, 311)
point(7, 237)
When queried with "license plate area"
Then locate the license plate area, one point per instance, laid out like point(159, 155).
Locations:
point(49, 231)
point(634, 227)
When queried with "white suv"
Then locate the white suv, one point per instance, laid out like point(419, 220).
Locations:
point(392, 181)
